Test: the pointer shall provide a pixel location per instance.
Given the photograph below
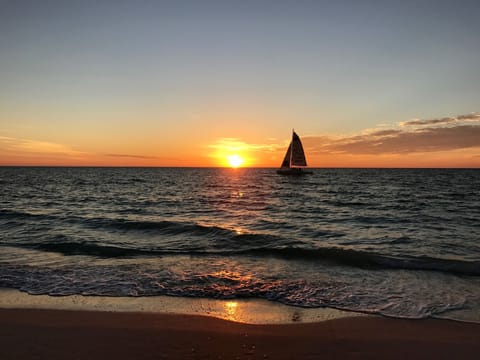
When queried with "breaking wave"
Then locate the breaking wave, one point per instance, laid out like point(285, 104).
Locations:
point(338, 255)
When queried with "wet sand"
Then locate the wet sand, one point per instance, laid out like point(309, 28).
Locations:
point(250, 311)
point(63, 334)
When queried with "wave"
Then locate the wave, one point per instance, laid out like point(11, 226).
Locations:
point(216, 240)
point(338, 255)
point(146, 226)
point(12, 214)
point(165, 226)
point(370, 259)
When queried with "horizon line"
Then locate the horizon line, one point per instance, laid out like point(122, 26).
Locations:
point(231, 168)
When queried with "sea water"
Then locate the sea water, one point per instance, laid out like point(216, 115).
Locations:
point(398, 242)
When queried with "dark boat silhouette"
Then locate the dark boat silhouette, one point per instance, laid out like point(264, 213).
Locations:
point(294, 161)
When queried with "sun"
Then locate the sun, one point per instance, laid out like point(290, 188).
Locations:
point(235, 160)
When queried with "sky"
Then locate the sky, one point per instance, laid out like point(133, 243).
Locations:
point(192, 83)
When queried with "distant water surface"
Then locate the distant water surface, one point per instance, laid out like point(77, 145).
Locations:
point(398, 242)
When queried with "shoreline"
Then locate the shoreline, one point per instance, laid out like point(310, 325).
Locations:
point(81, 327)
point(73, 334)
point(248, 311)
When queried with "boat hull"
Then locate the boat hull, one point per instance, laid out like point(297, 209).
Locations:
point(293, 172)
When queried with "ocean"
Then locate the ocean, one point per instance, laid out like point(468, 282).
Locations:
point(398, 242)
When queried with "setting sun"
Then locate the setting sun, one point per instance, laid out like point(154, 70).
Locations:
point(235, 160)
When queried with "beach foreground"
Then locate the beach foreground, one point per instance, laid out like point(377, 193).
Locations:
point(60, 334)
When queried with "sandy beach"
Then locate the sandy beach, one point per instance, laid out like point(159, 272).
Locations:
point(61, 334)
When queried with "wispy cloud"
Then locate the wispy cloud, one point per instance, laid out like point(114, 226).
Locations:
point(444, 120)
point(385, 132)
point(132, 156)
point(252, 153)
point(19, 145)
point(236, 145)
point(442, 134)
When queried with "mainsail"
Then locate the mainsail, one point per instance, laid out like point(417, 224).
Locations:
point(298, 155)
point(295, 155)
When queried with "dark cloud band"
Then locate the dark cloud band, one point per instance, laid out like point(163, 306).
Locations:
point(435, 137)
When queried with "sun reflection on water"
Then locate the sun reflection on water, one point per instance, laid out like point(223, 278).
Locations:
point(239, 231)
point(231, 310)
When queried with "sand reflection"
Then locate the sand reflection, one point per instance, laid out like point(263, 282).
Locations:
point(251, 311)
point(231, 310)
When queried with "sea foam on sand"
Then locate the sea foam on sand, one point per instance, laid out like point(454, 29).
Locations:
point(251, 311)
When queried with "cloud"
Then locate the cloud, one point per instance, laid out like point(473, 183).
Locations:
point(132, 156)
point(385, 132)
point(146, 157)
point(236, 145)
point(444, 120)
point(19, 145)
point(462, 132)
point(472, 116)
point(253, 154)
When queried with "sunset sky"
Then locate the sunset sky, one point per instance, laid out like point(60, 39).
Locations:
point(190, 83)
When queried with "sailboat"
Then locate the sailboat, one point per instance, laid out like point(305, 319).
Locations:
point(294, 160)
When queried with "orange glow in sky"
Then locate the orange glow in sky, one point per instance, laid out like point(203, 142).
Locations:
point(230, 152)
point(452, 146)
point(222, 85)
